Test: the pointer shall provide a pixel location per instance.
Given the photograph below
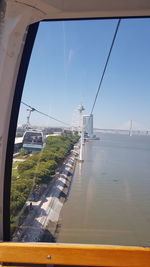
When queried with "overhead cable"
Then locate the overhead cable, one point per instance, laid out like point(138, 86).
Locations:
point(44, 114)
point(101, 80)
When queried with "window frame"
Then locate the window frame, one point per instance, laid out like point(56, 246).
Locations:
point(32, 31)
point(93, 255)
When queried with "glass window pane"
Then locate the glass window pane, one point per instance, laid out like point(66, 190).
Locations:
point(81, 175)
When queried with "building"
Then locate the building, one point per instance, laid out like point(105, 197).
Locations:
point(88, 125)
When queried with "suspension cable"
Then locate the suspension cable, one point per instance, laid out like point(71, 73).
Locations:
point(101, 80)
point(44, 114)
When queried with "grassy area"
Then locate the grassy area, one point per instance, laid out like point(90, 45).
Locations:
point(15, 169)
point(15, 164)
point(14, 173)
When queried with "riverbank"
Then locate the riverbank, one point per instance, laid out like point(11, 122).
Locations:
point(41, 222)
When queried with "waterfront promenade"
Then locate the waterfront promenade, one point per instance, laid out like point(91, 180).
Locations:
point(44, 213)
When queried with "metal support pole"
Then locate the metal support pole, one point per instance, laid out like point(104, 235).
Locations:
point(81, 142)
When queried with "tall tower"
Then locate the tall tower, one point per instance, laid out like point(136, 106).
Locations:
point(80, 123)
point(88, 125)
point(29, 110)
point(81, 131)
point(77, 119)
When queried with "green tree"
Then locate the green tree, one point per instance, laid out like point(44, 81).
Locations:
point(24, 152)
point(26, 165)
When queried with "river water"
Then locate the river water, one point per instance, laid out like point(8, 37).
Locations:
point(109, 201)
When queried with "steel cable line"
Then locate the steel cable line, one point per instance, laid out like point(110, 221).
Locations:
point(101, 80)
point(44, 114)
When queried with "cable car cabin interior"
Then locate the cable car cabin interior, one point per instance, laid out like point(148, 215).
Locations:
point(19, 21)
point(33, 140)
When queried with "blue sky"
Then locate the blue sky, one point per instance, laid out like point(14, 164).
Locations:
point(66, 65)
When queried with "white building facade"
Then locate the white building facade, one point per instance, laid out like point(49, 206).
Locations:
point(88, 125)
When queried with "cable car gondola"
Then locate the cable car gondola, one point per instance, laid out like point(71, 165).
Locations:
point(33, 140)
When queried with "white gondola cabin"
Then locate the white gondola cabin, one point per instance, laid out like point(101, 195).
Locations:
point(33, 140)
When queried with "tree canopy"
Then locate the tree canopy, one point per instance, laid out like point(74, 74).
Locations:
point(38, 169)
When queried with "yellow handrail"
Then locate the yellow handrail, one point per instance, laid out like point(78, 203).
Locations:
point(73, 254)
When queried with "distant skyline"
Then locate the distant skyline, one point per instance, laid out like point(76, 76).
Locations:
point(66, 66)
